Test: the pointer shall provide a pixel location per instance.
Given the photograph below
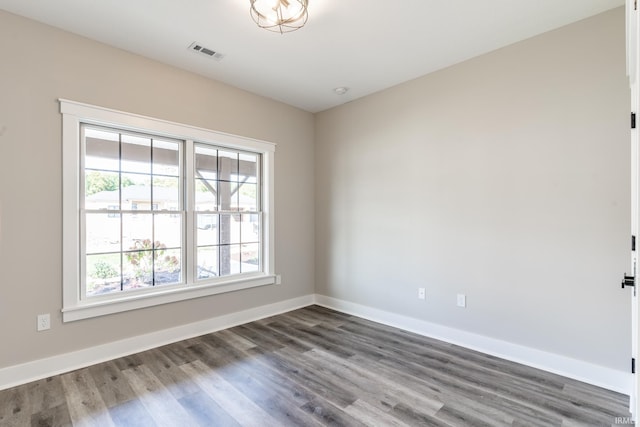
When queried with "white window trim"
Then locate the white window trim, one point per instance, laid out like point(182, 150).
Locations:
point(75, 113)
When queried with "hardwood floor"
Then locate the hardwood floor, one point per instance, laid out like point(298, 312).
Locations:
point(310, 367)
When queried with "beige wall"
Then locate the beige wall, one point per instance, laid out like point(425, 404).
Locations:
point(505, 178)
point(38, 65)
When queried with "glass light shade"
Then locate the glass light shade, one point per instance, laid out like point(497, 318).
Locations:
point(280, 16)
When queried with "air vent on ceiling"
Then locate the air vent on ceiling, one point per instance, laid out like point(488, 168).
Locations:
point(198, 48)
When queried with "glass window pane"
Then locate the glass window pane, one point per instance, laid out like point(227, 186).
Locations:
point(136, 154)
point(101, 190)
point(235, 259)
point(206, 195)
point(127, 177)
point(229, 228)
point(102, 233)
point(229, 260)
point(228, 165)
point(136, 192)
point(102, 149)
point(103, 274)
point(207, 262)
point(137, 232)
point(168, 267)
point(248, 168)
point(127, 172)
point(137, 269)
point(228, 196)
point(250, 228)
point(166, 157)
point(166, 193)
point(250, 258)
point(206, 162)
point(168, 230)
point(207, 233)
point(248, 197)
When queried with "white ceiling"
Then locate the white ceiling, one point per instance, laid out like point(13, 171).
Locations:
point(366, 45)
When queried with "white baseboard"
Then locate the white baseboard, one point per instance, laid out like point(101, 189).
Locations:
point(590, 373)
point(572, 368)
point(43, 368)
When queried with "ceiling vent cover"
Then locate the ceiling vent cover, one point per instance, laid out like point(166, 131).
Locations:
point(198, 48)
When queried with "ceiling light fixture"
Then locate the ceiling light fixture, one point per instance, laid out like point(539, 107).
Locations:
point(341, 90)
point(280, 16)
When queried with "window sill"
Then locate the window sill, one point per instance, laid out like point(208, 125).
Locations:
point(94, 308)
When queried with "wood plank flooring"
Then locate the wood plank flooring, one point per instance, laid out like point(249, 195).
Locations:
point(310, 367)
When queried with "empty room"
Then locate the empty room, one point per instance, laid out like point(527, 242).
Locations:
point(319, 212)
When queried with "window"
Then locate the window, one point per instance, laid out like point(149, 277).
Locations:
point(227, 211)
point(135, 245)
point(156, 212)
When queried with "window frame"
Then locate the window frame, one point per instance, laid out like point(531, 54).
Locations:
point(77, 307)
point(134, 210)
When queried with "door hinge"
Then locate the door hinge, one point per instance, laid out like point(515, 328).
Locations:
point(633, 120)
point(633, 243)
point(628, 281)
point(635, 4)
point(633, 365)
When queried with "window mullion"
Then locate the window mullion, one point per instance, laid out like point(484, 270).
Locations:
point(83, 231)
point(153, 218)
point(120, 216)
point(189, 263)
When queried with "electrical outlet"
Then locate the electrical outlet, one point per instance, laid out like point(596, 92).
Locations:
point(462, 300)
point(278, 279)
point(44, 322)
point(422, 293)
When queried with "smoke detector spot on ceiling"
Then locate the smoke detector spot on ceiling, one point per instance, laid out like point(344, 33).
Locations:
point(198, 48)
